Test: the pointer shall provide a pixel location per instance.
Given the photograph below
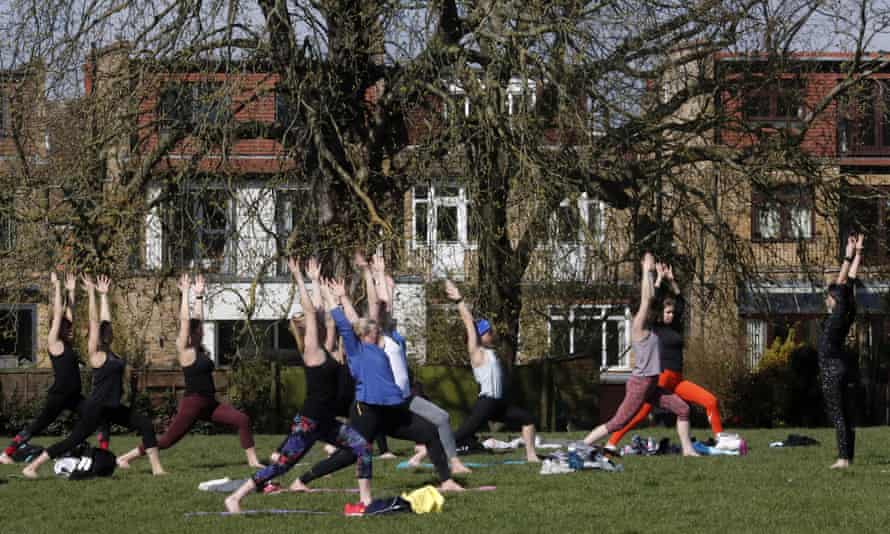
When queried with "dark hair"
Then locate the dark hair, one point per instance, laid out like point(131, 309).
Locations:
point(66, 329)
point(106, 336)
point(196, 331)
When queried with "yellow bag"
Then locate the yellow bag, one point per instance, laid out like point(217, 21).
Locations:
point(424, 500)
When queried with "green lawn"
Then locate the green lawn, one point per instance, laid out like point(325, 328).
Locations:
point(770, 490)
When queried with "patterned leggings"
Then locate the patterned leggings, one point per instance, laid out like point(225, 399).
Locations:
point(838, 394)
point(304, 433)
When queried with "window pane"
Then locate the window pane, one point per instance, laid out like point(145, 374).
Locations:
point(421, 192)
point(614, 343)
point(16, 333)
point(211, 104)
point(860, 213)
point(447, 191)
point(559, 338)
point(568, 222)
point(789, 99)
point(801, 222)
point(446, 224)
point(175, 106)
point(756, 105)
point(472, 225)
point(283, 109)
point(421, 211)
point(594, 221)
point(884, 115)
point(588, 338)
point(768, 222)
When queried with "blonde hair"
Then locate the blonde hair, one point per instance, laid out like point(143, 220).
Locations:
point(363, 326)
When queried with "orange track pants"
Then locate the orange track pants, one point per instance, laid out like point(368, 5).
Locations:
point(673, 382)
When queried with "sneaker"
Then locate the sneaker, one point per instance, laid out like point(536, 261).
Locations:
point(354, 509)
point(728, 442)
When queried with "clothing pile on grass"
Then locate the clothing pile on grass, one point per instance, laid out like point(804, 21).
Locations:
point(85, 462)
point(579, 457)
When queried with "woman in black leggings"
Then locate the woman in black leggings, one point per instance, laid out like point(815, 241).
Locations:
point(104, 404)
point(64, 394)
point(834, 364)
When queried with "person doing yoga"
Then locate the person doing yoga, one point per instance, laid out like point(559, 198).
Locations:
point(379, 402)
point(835, 367)
point(642, 386)
point(104, 403)
point(64, 393)
point(199, 401)
point(669, 329)
point(491, 404)
point(317, 419)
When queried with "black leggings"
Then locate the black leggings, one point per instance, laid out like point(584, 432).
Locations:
point(838, 394)
point(382, 444)
point(396, 421)
point(488, 409)
point(56, 403)
point(92, 416)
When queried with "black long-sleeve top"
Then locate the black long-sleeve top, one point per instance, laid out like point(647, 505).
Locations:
point(836, 326)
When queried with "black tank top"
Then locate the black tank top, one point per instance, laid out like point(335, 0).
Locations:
point(108, 381)
point(322, 382)
point(199, 375)
point(66, 371)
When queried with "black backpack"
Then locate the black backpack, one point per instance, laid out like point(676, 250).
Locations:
point(85, 462)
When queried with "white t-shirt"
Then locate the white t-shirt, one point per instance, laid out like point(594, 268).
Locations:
point(398, 362)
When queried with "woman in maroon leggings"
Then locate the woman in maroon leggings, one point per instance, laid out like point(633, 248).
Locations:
point(199, 401)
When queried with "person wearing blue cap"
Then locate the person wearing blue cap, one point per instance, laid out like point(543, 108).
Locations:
point(491, 404)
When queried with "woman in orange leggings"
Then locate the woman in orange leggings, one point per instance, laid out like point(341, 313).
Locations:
point(670, 336)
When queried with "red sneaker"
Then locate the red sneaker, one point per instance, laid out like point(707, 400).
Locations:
point(354, 509)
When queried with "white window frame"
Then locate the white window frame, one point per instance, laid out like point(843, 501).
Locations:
point(285, 224)
point(454, 93)
point(433, 202)
point(597, 312)
point(230, 251)
point(583, 203)
point(755, 333)
point(518, 87)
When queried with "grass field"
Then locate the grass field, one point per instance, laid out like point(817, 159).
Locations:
point(770, 490)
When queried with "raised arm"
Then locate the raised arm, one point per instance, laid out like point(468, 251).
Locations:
point(200, 290)
point(857, 259)
point(338, 290)
point(467, 317)
point(848, 259)
point(647, 291)
point(313, 270)
point(184, 315)
point(330, 325)
point(103, 284)
point(55, 344)
point(93, 338)
point(70, 286)
point(384, 289)
point(311, 354)
point(373, 299)
point(351, 342)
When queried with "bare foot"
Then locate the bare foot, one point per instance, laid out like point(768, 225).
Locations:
point(387, 456)
point(298, 486)
point(233, 505)
point(4, 459)
point(416, 460)
point(274, 457)
point(840, 464)
point(29, 473)
point(691, 453)
point(159, 473)
point(533, 459)
point(256, 465)
point(329, 449)
point(122, 463)
point(451, 485)
point(458, 468)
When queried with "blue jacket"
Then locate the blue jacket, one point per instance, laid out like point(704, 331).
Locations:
point(374, 383)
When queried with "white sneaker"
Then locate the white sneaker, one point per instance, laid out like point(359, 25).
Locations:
point(728, 442)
